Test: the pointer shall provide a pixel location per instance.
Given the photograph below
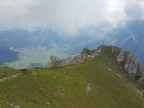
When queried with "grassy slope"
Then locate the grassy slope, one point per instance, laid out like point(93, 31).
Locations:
point(5, 71)
point(66, 87)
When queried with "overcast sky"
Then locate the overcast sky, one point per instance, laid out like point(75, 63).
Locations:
point(68, 16)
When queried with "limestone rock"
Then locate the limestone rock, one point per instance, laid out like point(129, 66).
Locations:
point(128, 60)
point(131, 63)
point(141, 69)
point(115, 50)
point(74, 60)
point(86, 51)
point(120, 58)
point(89, 53)
point(54, 62)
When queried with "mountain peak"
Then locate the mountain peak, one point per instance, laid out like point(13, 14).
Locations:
point(125, 59)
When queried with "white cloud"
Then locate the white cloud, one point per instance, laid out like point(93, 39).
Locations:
point(68, 16)
point(134, 9)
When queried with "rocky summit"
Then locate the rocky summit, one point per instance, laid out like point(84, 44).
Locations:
point(127, 60)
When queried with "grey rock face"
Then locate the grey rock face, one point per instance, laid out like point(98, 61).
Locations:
point(131, 63)
point(86, 51)
point(121, 56)
point(89, 53)
point(54, 62)
point(74, 60)
point(142, 69)
point(115, 49)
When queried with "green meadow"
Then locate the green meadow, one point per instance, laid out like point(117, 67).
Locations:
point(96, 83)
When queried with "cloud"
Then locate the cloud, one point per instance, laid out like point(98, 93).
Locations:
point(134, 9)
point(68, 17)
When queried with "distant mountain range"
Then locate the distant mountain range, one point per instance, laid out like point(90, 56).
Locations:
point(130, 37)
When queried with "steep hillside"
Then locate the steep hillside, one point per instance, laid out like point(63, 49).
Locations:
point(98, 82)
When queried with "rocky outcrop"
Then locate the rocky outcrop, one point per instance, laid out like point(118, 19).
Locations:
point(141, 79)
point(130, 63)
point(76, 59)
point(56, 62)
point(142, 70)
point(121, 56)
point(90, 53)
point(86, 51)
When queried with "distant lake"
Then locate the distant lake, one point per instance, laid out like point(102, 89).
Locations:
point(7, 55)
point(36, 65)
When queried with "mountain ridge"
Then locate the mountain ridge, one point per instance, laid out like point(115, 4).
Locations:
point(129, 37)
point(126, 59)
point(99, 81)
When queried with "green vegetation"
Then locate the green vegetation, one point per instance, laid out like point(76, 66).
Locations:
point(35, 55)
point(5, 71)
point(97, 83)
